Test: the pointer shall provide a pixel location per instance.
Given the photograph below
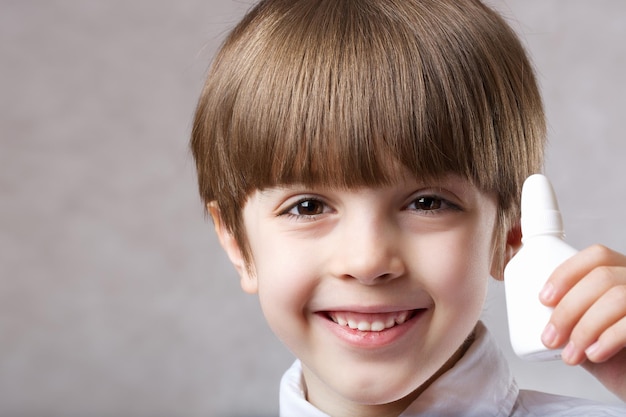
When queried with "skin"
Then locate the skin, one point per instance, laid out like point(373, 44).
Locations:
point(588, 293)
point(423, 247)
point(420, 246)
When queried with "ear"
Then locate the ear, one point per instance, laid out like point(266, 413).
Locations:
point(513, 244)
point(247, 276)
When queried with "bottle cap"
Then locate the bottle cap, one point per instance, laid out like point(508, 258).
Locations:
point(540, 209)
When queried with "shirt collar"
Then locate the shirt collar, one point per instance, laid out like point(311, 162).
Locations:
point(479, 385)
point(293, 397)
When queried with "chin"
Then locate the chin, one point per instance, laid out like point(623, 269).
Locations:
point(382, 389)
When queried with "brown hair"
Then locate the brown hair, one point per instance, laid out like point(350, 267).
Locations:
point(337, 92)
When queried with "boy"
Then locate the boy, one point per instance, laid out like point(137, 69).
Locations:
point(362, 162)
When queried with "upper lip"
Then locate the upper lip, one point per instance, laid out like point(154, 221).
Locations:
point(370, 318)
point(373, 309)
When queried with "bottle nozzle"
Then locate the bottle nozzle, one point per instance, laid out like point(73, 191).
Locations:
point(540, 209)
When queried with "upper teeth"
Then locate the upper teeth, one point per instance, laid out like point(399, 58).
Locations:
point(377, 323)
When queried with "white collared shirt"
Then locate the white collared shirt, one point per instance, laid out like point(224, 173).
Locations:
point(479, 385)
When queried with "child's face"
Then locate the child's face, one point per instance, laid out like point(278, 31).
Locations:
point(406, 264)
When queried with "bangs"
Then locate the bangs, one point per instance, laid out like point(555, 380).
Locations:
point(348, 93)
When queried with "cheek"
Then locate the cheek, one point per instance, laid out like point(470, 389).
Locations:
point(458, 270)
point(286, 281)
point(284, 271)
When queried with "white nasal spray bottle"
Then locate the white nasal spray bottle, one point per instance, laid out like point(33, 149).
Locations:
point(543, 249)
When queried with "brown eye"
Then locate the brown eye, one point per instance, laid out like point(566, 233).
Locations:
point(428, 203)
point(432, 205)
point(308, 207)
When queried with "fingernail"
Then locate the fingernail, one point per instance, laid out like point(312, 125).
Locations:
point(592, 350)
point(548, 336)
point(547, 293)
point(568, 352)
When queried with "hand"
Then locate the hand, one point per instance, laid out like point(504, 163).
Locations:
point(588, 293)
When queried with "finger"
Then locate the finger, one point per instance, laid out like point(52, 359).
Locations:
point(577, 302)
point(570, 272)
point(609, 343)
point(611, 373)
point(601, 332)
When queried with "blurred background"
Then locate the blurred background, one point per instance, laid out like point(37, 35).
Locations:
point(115, 299)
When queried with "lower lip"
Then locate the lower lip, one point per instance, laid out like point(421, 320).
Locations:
point(372, 340)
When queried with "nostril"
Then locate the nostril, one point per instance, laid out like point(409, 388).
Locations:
point(385, 277)
point(374, 279)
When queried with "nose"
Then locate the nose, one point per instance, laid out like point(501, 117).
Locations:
point(369, 251)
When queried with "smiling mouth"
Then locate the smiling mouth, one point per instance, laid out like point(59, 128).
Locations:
point(370, 322)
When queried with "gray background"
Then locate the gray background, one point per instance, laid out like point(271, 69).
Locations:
point(114, 296)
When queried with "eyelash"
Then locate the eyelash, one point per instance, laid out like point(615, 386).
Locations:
point(442, 204)
point(288, 211)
